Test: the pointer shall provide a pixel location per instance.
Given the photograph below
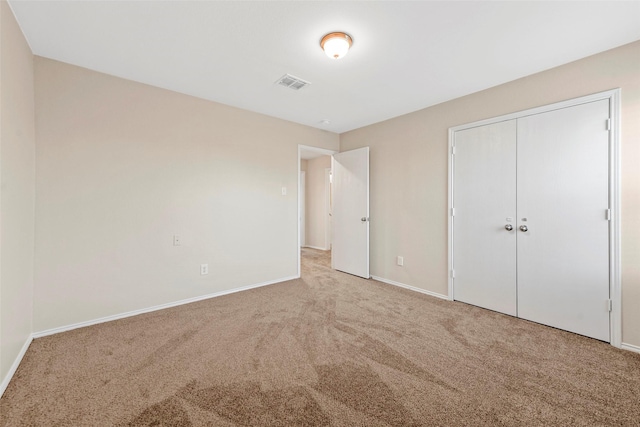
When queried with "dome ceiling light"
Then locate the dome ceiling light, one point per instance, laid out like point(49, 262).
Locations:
point(336, 45)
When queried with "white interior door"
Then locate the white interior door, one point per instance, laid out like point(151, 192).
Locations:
point(327, 203)
point(484, 201)
point(350, 249)
point(563, 195)
point(303, 208)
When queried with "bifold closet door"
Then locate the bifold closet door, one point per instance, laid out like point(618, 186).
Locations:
point(563, 196)
point(484, 199)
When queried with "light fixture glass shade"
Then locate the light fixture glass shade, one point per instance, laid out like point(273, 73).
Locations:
point(336, 45)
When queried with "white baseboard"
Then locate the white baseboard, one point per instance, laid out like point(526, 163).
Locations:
point(630, 347)
point(316, 247)
point(412, 288)
point(155, 308)
point(623, 346)
point(5, 382)
point(7, 379)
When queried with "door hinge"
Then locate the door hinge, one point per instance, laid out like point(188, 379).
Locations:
point(453, 211)
point(608, 214)
point(453, 274)
point(609, 305)
point(453, 150)
point(608, 124)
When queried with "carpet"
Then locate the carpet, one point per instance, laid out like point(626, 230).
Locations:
point(329, 349)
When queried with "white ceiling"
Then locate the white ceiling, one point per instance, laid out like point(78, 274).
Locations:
point(406, 55)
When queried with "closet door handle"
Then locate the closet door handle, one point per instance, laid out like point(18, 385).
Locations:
point(508, 227)
point(524, 228)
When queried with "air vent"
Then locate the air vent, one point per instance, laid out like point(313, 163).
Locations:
point(292, 82)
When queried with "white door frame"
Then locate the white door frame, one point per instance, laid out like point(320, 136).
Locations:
point(321, 151)
point(302, 195)
point(615, 293)
point(328, 223)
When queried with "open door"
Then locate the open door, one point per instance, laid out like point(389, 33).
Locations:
point(302, 209)
point(350, 250)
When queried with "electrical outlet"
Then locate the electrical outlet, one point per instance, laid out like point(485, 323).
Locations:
point(204, 269)
point(400, 261)
point(176, 240)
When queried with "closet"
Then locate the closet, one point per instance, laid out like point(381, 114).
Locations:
point(530, 216)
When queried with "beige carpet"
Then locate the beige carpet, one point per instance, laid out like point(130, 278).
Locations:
point(328, 349)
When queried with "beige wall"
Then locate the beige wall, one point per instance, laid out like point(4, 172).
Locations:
point(122, 167)
point(315, 204)
point(17, 192)
point(409, 170)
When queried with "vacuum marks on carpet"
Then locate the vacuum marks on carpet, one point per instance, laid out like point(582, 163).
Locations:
point(357, 387)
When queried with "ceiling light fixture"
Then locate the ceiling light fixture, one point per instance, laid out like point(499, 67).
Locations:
point(336, 45)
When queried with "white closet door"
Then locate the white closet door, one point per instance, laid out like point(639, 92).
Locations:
point(563, 258)
point(484, 200)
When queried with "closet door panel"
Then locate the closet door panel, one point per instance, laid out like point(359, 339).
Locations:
point(562, 186)
point(484, 199)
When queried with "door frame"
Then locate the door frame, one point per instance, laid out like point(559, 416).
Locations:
point(615, 293)
point(323, 152)
point(302, 196)
point(328, 223)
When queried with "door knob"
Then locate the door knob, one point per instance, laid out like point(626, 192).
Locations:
point(508, 227)
point(364, 219)
point(524, 228)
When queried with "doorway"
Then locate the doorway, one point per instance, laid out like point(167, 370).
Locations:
point(314, 201)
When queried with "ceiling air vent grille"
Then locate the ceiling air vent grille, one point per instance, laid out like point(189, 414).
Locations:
point(292, 82)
